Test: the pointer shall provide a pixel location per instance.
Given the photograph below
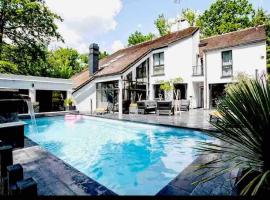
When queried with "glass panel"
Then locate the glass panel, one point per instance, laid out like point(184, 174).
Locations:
point(129, 76)
point(227, 70)
point(156, 59)
point(158, 91)
point(161, 57)
point(141, 70)
point(227, 58)
point(159, 70)
point(106, 93)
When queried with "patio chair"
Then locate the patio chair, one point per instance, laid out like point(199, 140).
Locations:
point(165, 108)
point(184, 105)
point(146, 106)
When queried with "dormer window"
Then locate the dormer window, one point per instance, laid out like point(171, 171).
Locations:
point(158, 63)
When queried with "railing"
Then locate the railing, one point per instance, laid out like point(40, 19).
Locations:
point(197, 70)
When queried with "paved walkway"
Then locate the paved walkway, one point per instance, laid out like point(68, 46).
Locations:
point(195, 118)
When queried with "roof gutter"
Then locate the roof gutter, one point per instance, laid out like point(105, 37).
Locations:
point(242, 44)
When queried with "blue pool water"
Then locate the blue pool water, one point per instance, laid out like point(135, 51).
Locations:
point(128, 158)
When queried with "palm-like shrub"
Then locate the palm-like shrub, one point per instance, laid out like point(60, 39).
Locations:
point(243, 135)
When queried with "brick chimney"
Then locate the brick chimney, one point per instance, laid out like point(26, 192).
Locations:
point(93, 58)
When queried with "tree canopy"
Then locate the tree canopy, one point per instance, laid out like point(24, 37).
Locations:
point(162, 25)
point(225, 16)
point(137, 37)
point(65, 62)
point(27, 24)
point(103, 54)
point(190, 15)
point(26, 29)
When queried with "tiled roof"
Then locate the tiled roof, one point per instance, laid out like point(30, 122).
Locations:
point(125, 58)
point(231, 39)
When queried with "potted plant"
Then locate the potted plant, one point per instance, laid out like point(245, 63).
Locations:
point(69, 104)
point(168, 87)
point(133, 108)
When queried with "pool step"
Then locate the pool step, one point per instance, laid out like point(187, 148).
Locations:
point(12, 182)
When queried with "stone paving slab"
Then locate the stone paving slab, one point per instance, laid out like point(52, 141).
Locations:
point(54, 176)
point(195, 119)
point(182, 185)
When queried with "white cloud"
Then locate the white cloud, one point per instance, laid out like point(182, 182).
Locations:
point(85, 19)
point(117, 45)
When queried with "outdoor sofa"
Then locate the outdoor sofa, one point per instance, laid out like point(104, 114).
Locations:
point(165, 108)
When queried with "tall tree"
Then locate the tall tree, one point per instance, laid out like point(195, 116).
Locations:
point(190, 15)
point(226, 16)
point(27, 27)
point(260, 17)
point(162, 25)
point(138, 37)
point(65, 62)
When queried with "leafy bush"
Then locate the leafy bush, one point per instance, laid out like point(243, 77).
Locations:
point(243, 132)
point(8, 67)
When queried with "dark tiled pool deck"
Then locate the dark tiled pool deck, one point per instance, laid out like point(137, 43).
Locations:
point(195, 119)
point(55, 177)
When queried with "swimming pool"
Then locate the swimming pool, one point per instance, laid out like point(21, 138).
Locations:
point(127, 158)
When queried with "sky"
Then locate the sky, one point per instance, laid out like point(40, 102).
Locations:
point(109, 22)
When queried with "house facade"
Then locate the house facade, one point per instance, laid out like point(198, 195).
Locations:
point(48, 93)
point(204, 66)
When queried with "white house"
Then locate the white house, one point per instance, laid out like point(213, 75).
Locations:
point(205, 66)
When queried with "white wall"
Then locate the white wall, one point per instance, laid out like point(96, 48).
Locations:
point(86, 94)
point(177, 61)
point(246, 58)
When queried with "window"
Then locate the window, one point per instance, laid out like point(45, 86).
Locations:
point(129, 76)
point(141, 70)
point(227, 63)
point(106, 91)
point(158, 63)
point(158, 92)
